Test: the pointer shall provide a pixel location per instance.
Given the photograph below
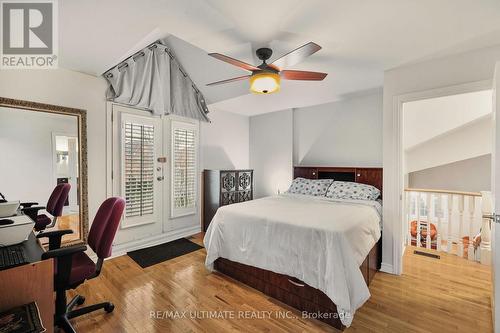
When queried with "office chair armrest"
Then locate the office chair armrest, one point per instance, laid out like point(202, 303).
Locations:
point(32, 212)
point(27, 204)
point(62, 252)
point(64, 263)
point(54, 237)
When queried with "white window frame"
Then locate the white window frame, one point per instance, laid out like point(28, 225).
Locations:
point(179, 212)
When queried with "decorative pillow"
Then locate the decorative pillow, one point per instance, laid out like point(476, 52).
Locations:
point(316, 187)
point(350, 190)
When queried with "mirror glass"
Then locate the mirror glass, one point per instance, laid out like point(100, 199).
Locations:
point(39, 151)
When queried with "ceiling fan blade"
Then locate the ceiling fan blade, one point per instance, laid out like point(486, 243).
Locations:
point(302, 75)
point(234, 62)
point(297, 55)
point(234, 79)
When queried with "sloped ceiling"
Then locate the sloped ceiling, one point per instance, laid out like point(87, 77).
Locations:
point(428, 119)
point(360, 39)
point(443, 130)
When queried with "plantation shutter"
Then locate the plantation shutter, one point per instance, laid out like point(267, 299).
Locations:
point(139, 169)
point(184, 168)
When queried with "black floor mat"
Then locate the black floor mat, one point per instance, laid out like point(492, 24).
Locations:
point(159, 253)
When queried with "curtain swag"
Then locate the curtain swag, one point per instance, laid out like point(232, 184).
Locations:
point(153, 79)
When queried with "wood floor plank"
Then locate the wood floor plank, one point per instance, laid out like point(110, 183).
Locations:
point(446, 295)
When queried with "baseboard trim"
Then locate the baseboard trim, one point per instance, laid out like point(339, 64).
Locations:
point(387, 268)
point(122, 249)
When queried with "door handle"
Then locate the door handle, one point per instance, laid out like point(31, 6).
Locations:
point(492, 217)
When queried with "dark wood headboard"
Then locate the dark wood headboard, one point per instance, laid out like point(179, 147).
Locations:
point(370, 176)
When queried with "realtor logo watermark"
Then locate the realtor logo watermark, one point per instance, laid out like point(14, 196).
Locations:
point(29, 34)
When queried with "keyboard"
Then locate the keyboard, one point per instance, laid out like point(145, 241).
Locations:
point(11, 256)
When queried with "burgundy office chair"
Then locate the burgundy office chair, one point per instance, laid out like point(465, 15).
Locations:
point(73, 266)
point(54, 207)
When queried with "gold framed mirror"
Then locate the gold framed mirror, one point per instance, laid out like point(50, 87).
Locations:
point(44, 145)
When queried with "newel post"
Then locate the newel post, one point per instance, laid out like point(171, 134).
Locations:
point(487, 209)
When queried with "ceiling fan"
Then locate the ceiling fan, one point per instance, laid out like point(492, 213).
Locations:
point(265, 78)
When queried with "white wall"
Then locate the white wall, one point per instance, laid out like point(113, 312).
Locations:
point(343, 133)
point(227, 132)
point(472, 140)
point(225, 141)
point(271, 150)
point(470, 175)
point(437, 73)
point(71, 89)
point(27, 170)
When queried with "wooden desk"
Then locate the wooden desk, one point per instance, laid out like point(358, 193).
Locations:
point(32, 282)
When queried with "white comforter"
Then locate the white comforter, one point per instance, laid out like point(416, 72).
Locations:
point(317, 240)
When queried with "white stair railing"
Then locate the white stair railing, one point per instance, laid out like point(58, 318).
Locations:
point(449, 221)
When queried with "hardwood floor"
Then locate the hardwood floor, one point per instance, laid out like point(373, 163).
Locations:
point(446, 295)
point(70, 221)
point(451, 294)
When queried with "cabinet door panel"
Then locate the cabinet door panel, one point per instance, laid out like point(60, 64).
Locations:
point(228, 181)
point(304, 172)
point(244, 196)
point(228, 198)
point(370, 176)
point(244, 180)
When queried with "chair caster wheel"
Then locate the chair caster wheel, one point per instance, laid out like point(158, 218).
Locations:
point(109, 308)
point(81, 300)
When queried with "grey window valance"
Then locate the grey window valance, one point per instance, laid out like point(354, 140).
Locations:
point(153, 79)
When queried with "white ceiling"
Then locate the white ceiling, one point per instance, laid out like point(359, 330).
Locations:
point(434, 117)
point(360, 39)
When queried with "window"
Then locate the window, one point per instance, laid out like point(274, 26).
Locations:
point(138, 169)
point(184, 155)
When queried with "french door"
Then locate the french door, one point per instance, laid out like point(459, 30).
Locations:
point(138, 172)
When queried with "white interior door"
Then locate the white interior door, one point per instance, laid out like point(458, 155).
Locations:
point(137, 174)
point(495, 188)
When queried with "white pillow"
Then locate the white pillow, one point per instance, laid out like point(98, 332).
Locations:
point(350, 190)
point(315, 187)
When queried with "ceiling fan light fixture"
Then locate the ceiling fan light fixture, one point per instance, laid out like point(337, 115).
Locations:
point(266, 78)
point(265, 83)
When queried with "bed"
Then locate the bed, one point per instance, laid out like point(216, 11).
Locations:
point(261, 243)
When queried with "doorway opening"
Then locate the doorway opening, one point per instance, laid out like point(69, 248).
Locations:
point(447, 146)
point(66, 170)
point(445, 150)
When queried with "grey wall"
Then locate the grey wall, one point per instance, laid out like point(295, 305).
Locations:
point(343, 133)
point(472, 175)
point(224, 141)
point(271, 144)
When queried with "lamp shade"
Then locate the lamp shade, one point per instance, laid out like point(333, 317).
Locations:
point(265, 83)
